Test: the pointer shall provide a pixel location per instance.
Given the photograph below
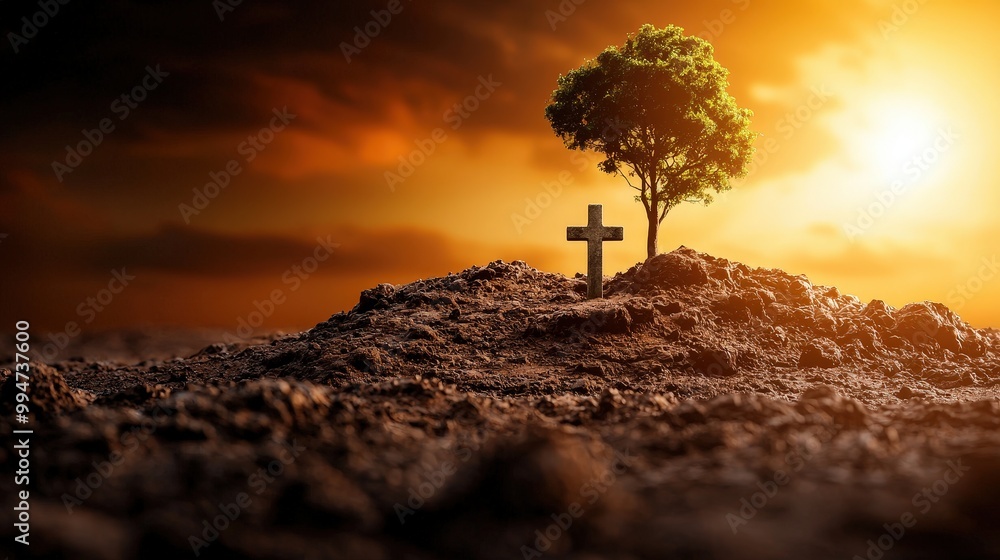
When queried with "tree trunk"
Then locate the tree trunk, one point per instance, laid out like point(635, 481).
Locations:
point(654, 228)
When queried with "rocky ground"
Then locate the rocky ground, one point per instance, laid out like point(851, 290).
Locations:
point(703, 410)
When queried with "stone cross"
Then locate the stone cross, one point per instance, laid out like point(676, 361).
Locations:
point(595, 234)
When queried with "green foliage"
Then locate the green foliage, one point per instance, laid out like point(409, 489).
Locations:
point(657, 108)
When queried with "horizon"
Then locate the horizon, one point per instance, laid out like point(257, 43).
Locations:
point(231, 332)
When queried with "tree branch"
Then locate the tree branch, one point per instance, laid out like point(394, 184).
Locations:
point(663, 215)
point(619, 171)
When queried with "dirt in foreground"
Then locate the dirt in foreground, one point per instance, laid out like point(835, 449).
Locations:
point(704, 410)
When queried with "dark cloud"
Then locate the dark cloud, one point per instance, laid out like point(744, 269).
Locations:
point(187, 251)
point(99, 50)
point(181, 250)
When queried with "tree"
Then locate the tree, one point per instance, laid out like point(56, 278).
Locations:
point(658, 110)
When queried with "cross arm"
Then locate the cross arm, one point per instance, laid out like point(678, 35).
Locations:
point(574, 233)
point(613, 233)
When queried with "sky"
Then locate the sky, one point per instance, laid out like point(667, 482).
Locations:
point(199, 163)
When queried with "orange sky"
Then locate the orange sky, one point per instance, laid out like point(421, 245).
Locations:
point(846, 95)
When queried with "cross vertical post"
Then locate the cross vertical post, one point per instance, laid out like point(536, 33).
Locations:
point(595, 233)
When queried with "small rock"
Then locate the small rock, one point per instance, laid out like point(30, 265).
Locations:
point(687, 320)
point(379, 297)
point(580, 386)
point(718, 362)
point(667, 307)
point(640, 310)
point(598, 368)
point(367, 359)
point(822, 353)
point(422, 332)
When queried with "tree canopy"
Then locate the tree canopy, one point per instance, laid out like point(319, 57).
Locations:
point(658, 109)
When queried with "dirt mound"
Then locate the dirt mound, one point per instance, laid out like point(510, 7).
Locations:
point(676, 316)
point(784, 315)
point(48, 392)
point(704, 409)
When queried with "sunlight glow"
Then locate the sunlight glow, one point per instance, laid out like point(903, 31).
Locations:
point(894, 133)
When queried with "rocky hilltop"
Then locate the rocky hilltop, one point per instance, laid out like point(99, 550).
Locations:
point(705, 409)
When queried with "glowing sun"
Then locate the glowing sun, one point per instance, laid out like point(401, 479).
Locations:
point(895, 132)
